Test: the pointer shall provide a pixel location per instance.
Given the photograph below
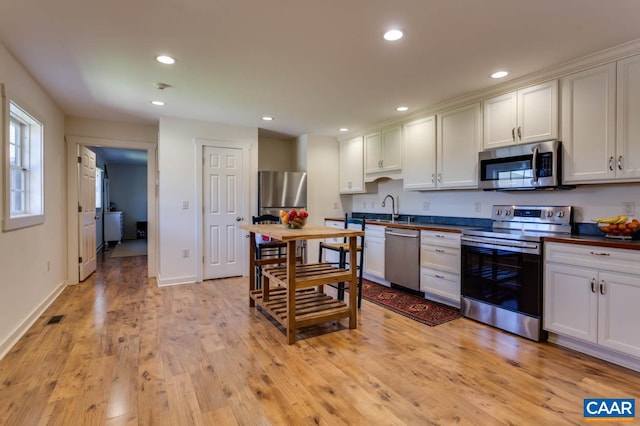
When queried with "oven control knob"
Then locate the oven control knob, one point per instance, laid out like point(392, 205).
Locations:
point(560, 213)
point(507, 212)
point(498, 212)
point(549, 213)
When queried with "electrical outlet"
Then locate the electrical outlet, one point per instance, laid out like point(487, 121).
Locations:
point(185, 253)
point(629, 208)
point(426, 206)
point(185, 205)
point(478, 207)
point(335, 206)
point(364, 204)
point(373, 203)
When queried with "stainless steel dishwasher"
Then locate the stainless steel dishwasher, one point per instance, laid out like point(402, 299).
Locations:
point(402, 257)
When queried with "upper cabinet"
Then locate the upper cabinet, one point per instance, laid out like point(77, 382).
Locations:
point(599, 132)
point(420, 154)
point(351, 166)
point(446, 158)
point(383, 153)
point(524, 116)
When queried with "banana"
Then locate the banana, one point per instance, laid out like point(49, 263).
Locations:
point(615, 219)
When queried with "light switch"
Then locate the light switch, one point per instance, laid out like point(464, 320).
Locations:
point(185, 205)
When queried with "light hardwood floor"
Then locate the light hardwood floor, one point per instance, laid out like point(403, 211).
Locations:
point(128, 353)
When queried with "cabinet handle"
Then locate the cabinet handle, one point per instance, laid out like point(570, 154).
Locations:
point(513, 134)
point(439, 177)
point(433, 177)
point(439, 251)
point(439, 236)
point(593, 285)
point(599, 253)
point(602, 287)
point(620, 163)
point(519, 133)
point(611, 163)
point(439, 276)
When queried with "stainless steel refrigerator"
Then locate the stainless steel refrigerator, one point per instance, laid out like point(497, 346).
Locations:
point(281, 191)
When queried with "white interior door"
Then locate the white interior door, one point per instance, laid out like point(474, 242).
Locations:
point(223, 212)
point(87, 211)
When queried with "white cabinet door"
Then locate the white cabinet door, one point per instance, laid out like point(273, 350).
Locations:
point(374, 256)
point(373, 152)
point(538, 113)
point(618, 312)
point(351, 166)
point(458, 142)
point(420, 154)
point(500, 120)
point(392, 148)
point(589, 124)
point(570, 302)
point(627, 160)
point(442, 284)
point(527, 115)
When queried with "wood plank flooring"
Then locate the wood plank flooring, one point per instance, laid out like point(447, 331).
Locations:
point(130, 353)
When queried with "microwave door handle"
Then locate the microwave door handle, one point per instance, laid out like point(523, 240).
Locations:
point(534, 164)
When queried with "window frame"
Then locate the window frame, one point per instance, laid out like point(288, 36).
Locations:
point(30, 166)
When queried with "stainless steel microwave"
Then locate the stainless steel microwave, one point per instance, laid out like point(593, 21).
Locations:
point(522, 167)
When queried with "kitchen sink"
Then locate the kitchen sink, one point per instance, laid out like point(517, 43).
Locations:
point(388, 221)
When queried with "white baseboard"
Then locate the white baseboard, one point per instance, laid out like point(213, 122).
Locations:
point(163, 282)
point(13, 338)
point(627, 361)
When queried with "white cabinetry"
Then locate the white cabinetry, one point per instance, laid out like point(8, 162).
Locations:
point(332, 256)
point(420, 154)
point(600, 131)
point(448, 158)
point(523, 116)
point(351, 166)
point(592, 293)
point(113, 226)
point(383, 153)
point(440, 266)
point(374, 253)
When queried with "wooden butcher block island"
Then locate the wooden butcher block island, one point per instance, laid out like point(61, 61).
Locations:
point(291, 292)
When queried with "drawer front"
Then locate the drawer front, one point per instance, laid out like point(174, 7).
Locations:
point(447, 239)
point(374, 231)
point(602, 258)
point(441, 258)
point(440, 283)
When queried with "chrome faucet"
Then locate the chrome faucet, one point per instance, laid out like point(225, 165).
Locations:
point(394, 215)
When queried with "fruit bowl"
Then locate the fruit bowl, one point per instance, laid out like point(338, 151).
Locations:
point(294, 218)
point(624, 230)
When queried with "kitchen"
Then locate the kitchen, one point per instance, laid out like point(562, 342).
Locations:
point(319, 156)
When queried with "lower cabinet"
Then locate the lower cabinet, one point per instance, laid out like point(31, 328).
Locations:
point(592, 294)
point(374, 253)
point(440, 266)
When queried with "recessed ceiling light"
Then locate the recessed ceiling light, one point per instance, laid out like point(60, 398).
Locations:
point(267, 118)
point(500, 74)
point(158, 103)
point(402, 109)
point(393, 35)
point(344, 129)
point(164, 59)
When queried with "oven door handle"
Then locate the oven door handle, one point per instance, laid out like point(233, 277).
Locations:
point(519, 246)
point(534, 164)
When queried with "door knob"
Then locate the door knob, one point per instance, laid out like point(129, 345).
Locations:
point(239, 219)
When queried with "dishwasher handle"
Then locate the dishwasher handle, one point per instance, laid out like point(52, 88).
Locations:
point(401, 235)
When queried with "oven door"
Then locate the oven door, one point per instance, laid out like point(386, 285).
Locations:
point(505, 277)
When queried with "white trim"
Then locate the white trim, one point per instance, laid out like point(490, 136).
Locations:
point(189, 279)
point(199, 144)
point(26, 324)
point(72, 198)
point(597, 351)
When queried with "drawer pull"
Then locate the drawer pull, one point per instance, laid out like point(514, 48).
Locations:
point(439, 276)
point(439, 236)
point(439, 251)
point(599, 253)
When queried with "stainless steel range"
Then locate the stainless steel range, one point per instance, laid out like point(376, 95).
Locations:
point(502, 267)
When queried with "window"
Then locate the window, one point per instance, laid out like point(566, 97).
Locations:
point(24, 202)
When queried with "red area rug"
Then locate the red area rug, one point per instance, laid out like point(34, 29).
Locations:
point(414, 307)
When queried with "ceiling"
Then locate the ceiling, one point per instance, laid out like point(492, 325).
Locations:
point(314, 66)
point(133, 157)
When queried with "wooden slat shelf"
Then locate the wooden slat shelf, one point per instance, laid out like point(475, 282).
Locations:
point(312, 307)
point(309, 275)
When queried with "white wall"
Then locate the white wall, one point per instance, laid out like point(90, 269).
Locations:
point(33, 260)
point(178, 160)
point(591, 201)
point(320, 157)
